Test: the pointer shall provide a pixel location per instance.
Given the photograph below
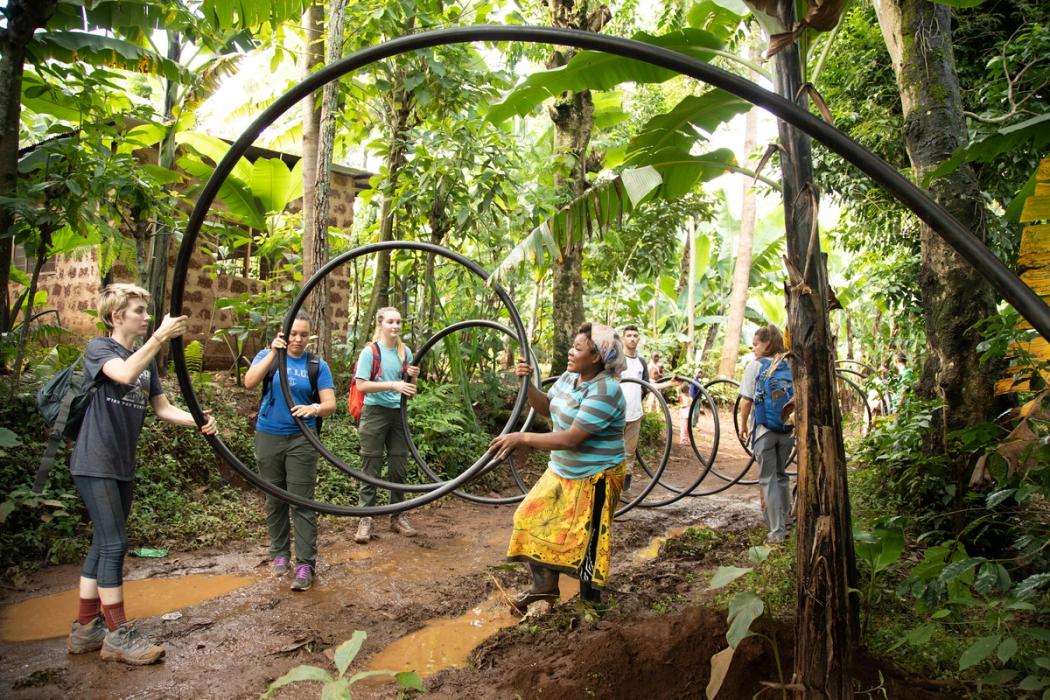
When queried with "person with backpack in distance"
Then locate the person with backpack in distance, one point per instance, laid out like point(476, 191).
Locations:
point(124, 381)
point(768, 393)
point(384, 374)
point(285, 457)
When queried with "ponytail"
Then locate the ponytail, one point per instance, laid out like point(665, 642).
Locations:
point(771, 334)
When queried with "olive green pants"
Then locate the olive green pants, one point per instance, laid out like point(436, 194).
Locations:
point(381, 429)
point(289, 462)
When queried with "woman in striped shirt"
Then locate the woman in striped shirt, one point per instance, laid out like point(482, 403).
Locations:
point(564, 523)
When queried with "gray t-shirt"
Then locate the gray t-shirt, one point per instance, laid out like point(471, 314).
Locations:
point(747, 390)
point(106, 444)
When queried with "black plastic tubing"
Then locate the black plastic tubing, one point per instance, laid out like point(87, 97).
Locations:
point(1016, 292)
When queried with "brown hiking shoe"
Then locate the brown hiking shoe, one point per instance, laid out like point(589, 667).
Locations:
point(364, 531)
point(399, 524)
point(85, 638)
point(127, 645)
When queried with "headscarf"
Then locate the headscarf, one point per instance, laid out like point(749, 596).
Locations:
point(610, 348)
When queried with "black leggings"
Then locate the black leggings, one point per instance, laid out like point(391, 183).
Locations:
point(108, 504)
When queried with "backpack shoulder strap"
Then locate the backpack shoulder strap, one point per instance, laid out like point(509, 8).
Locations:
point(377, 363)
point(773, 365)
point(267, 382)
point(313, 371)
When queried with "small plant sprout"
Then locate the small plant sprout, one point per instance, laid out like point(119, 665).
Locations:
point(744, 609)
point(338, 687)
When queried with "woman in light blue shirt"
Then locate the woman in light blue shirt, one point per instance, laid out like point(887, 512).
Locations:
point(384, 380)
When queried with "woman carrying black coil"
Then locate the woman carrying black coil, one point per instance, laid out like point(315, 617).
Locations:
point(103, 465)
point(384, 380)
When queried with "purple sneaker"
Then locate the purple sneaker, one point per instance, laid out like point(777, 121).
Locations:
point(304, 577)
point(279, 567)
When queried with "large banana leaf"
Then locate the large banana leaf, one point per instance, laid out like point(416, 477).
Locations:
point(592, 70)
point(252, 13)
point(123, 15)
point(601, 207)
point(681, 172)
point(42, 98)
point(214, 149)
point(234, 192)
point(73, 46)
point(275, 184)
point(678, 128)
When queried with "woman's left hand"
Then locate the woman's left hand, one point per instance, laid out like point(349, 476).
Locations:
point(209, 428)
point(505, 444)
point(413, 371)
point(308, 410)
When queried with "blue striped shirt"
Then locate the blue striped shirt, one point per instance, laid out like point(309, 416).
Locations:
point(596, 406)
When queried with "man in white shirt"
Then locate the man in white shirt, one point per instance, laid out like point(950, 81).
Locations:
point(632, 394)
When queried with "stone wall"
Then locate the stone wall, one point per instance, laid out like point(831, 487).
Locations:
point(72, 284)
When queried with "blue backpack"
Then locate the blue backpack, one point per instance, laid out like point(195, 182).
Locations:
point(774, 389)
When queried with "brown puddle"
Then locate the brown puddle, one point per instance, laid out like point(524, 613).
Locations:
point(652, 550)
point(51, 615)
point(447, 642)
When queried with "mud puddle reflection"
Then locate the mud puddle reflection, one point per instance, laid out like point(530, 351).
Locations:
point(49, 616)
point(447, 642)
point(652, 550)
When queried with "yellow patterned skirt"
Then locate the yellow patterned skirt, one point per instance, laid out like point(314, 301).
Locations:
point(556, 526)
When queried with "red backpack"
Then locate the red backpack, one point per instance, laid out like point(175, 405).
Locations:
point(356, 402)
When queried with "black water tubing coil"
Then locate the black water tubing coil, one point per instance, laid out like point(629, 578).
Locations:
point(414, 451)
point(705, 462)
point(1016, 292)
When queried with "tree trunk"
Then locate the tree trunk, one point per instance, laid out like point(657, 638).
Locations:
point(690, 304)
point(27, 315)
point(157, 275)
point(23, 18)
point(400, 115)
point(573, 117)
point(315, 243)
point(825, 620)
point(954, 295)
point(742, 266)
point(315, 226)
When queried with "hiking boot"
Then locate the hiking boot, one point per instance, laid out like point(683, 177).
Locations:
point(399, 524)
point(304, 577)
point(279, 566)
point(127, 645)
point(85, 638)
point(364, 531)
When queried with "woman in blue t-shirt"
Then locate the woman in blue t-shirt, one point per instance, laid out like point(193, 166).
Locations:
point(564, 523)
point(285, 457)
point(381, 425)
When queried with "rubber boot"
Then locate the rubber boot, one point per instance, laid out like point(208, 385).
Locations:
point(544, 587)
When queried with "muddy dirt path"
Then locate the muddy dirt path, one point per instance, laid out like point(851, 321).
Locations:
point(424, 602)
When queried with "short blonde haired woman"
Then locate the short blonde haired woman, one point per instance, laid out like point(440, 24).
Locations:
point(125, 381)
